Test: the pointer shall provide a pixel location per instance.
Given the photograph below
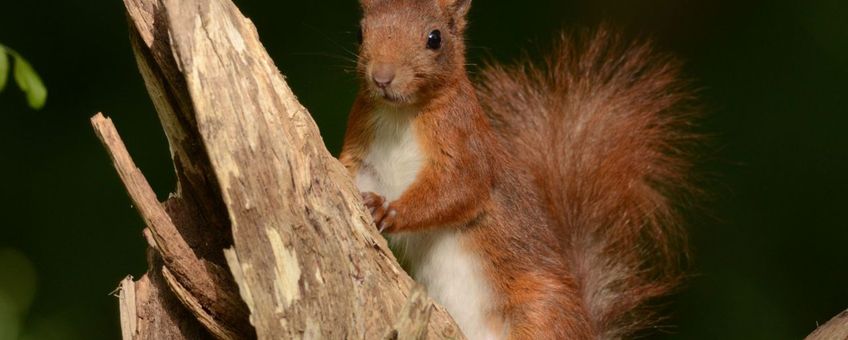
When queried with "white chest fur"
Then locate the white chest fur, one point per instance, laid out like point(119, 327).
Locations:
point(439, 260)
point(394, 157)
point(454, 277)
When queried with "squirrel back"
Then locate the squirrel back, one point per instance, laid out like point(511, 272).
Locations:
point(604, 128)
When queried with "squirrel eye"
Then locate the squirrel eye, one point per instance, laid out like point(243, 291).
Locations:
point(434, 40)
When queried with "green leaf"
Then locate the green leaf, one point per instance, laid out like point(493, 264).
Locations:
point(4, 67)
point(30, 83)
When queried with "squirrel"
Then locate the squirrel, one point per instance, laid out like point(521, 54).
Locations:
point(544, 202)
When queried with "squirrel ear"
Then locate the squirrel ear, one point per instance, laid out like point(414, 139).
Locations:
point(456, 7)
point(367, 3)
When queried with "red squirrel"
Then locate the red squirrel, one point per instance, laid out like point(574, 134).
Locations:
point(540, 203)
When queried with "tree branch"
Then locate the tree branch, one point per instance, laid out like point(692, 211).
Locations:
point(215, 304)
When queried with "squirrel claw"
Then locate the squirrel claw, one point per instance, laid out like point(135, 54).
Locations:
point(376, 204)
point(383, 215)
point(388, 221)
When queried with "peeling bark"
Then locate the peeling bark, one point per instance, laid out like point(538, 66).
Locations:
point(150, 312)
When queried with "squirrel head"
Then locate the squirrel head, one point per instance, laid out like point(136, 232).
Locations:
point(410, 50)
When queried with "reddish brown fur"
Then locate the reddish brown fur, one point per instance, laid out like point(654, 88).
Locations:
point(563, 182)
point(604, 127)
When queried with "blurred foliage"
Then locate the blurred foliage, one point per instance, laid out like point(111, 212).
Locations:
point(25, 76)
point(17, 289)
point(770, 254)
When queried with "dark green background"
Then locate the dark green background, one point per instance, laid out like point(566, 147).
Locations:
point(771, 253)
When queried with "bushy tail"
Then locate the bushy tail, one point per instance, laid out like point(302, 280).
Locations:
point(605, 128)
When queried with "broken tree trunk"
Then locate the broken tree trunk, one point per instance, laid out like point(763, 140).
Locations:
point(265, 235)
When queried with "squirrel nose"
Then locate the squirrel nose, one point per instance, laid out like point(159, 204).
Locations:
point(383, 74)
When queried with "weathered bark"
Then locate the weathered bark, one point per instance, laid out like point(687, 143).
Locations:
point(150, 296)
point(304, 258)
point(150, 311)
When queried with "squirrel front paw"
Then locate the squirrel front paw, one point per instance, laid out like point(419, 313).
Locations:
point(382, 214)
